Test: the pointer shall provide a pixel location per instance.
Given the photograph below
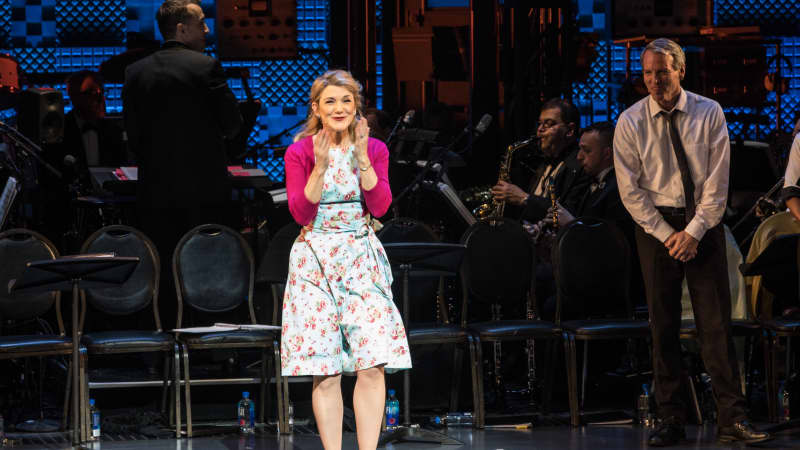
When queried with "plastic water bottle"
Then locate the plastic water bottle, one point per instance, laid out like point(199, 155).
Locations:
point(643, 406)
point(392, 411)
point(95, 415)
point(783, 401)
point(458, 419)
point(247, 414)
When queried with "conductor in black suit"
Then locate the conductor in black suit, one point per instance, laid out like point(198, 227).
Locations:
point(178, 112)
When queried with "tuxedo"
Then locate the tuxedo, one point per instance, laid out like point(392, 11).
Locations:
point(568, 181)
point(178, 112)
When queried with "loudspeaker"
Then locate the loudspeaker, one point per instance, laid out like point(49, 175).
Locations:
point(40, 115)
point(256, 29)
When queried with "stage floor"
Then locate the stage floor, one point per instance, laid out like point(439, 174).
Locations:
point(589, 437)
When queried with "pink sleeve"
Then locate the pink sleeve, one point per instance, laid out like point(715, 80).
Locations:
point(379, 198)
point(297, 174)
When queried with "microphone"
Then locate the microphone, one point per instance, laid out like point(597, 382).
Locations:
point(408, 118)
point(69, 161)
point(483, 125)
point(405, 120)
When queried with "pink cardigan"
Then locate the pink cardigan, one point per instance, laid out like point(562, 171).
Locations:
point(299, 161)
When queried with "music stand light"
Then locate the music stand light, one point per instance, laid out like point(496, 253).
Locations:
point(74, 272)
point(421, 260)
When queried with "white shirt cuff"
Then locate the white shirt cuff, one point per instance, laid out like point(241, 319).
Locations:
point(696, 229)
point(662, 230)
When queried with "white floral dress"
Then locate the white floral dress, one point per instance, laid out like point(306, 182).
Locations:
point(338, 312)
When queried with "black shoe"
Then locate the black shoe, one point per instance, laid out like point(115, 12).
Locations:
point(742, 432)
point(669, 432)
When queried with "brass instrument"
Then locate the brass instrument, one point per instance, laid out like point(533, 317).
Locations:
point(497, 207)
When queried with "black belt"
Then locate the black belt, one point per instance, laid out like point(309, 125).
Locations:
point(671, 211)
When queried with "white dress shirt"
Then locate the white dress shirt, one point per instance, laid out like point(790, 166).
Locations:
point(647, 169)
point(793, 167)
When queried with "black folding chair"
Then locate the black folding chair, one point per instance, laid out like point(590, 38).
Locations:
point(591, 264)
point(214, 273)
point(133, 296)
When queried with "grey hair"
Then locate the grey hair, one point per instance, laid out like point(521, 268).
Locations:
point(668, 47)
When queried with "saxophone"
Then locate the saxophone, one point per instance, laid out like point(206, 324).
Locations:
point(497, 207)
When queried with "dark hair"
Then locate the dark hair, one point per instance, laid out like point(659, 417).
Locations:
point(171, 13)
point(569, 113)
point(604, 129)
point(74, 81)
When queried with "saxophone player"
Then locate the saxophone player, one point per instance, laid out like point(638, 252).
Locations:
point(557, 131)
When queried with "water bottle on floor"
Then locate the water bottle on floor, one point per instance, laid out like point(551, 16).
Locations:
point(95, 415)
point(246, 410)
point(643, 407)
point(458, 419)
point(392, 411)
point(784, 413)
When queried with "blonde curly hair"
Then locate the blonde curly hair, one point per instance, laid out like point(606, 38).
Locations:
point(340, 78)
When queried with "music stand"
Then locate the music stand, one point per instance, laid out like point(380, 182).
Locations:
point(777, 265)
point(423, 260)
point(70, 272)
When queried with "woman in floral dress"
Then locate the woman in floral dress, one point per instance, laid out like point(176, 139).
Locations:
point(338, 312)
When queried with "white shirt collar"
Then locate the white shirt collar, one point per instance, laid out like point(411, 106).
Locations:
point(655, 108)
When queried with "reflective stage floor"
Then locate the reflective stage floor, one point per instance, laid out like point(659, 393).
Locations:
point(561, 437)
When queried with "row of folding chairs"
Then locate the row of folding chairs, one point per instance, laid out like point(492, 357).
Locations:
point(214, 272)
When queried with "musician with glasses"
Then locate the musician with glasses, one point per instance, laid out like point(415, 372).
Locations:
point(672, 163)
point(557, 130)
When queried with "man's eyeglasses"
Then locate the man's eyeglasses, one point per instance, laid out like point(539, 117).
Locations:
point(547, 124)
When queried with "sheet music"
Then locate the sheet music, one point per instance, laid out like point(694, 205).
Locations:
point(7, 199)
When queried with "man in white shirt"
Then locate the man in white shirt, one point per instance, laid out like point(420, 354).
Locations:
point(672, 163)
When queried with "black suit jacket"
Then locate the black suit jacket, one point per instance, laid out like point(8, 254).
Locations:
point(569, 183)
point(178, 111)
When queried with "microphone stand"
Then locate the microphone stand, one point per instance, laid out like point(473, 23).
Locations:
point(394, 130)
point(753, 208)
point(29, 148)
point(437, 156)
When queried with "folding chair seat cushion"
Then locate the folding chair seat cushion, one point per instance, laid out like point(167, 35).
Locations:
point(438, 333)
point(509, 329)
point(783, 326)
point(607, 327)
point(227, 337)
point(35, 343)
point(739, 327)
point(128, 340)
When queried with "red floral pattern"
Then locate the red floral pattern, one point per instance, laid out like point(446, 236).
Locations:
point(338, 312)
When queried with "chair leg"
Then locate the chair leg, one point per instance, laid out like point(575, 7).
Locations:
point(83, 382)
point(584, 372)
point(770, 356)
point(572, 382)
point(165, 385)
point(550, 358)
point(478, 380)
point(67, 391)
point(455, 387)
point(176, 388)
point(187, 390)
point(264, 382)
point(282, 388)
point(474, 367)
